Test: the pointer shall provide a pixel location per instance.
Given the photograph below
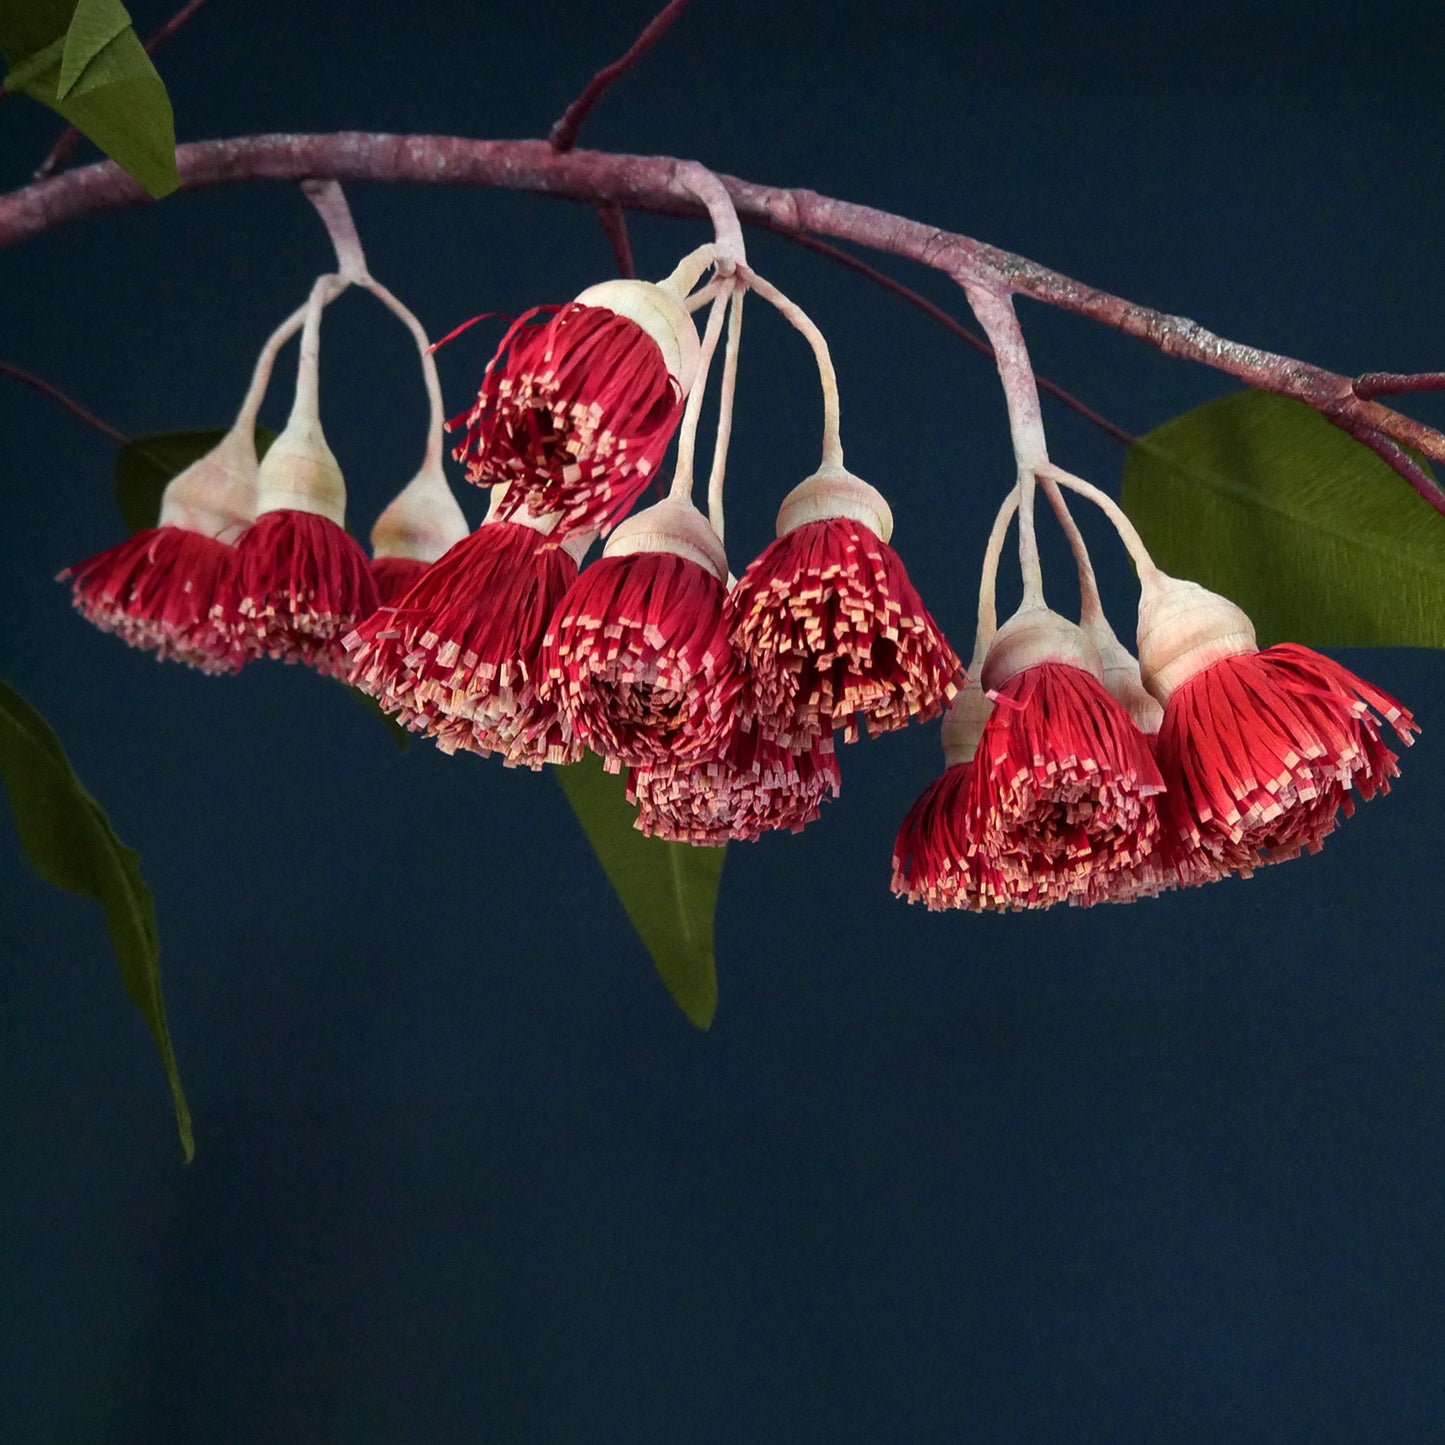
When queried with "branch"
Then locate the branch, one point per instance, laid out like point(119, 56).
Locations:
point(563, 135)
point(64, 148)
point(653, 183)
point(26, 378)
point(614, 225)
point(1394, 383)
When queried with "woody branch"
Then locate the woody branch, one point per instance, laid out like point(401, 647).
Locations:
point(664, 185)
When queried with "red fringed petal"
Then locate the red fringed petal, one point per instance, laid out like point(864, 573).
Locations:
point(156, 590)
point(756, 786)
point(932, 860)
point(459, 655)
point(577, 408)
point(394, 576)
point(830, 628)
point(1062, 792)
point(299, 585)
point(1261, 752)
point(639, 661)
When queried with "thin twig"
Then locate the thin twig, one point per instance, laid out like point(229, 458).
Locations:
point(64, 148)
point(1396, 383)
point(1399, 459)
point(29, 379)
point(563, 135)
point(881, 278)
point(614, 224)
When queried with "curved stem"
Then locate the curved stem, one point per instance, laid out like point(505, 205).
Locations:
point(726, 393)
point(687, 432)
point(1091, 609)
point(266, 361)
point(436, 425)
point(988, 580)
point(1128, 532)
point(307, 404)
point(827, 377)
point(25, 378)
point(330, 202)
point(732, 250)
point(686, 274)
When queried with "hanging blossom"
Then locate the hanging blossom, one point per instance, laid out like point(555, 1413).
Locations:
point(458, 656)
point(577, 407)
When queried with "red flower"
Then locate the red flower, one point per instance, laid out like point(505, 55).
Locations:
point(395, 576)
point(157, 589)
point(459, 654)
point(1261, 751)
point(829, 624)
point(756, 786)
point(637, 656)
point(299, 585)
point(579, 404)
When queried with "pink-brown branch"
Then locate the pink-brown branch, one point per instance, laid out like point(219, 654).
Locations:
point(36, 383)
point(653, 183)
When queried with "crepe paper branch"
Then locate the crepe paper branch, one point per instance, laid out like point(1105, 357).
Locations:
point(661, 184)
point(563, 135)
point(1395, 383)
point(27, 378)
point(64, 148)
point(614, 225)
point(881, 278)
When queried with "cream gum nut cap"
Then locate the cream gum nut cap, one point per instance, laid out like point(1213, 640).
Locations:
point(671, 525)
point(963, 725)
point(216, 494)
point(1033, 635)
point(1184, 628)
point(300, 474)
point(660, 314)
point(833, 492)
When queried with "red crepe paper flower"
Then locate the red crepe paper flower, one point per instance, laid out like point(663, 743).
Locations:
point(639, 661)
point(756, 786)
point(1263, 750)
point(394, 576)
point(459, 655)
point(156, 590)
point(578, 405)
point(830, 626)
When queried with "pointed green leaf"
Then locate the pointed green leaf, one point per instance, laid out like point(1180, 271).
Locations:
point(99, 78)
point(144, 465)
point(668, 889)
point(92, 28)
point(69, 842)
point(1260, 498)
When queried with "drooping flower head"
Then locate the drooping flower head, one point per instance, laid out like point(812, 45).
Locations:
point(829, 624)
point(578, 405)
point(1260, 749)
point(300, 582)
point(458, 656)
point(156, 589)
point(1063, 785)
point(416, 527)
point(754, 786)
point(637, 656)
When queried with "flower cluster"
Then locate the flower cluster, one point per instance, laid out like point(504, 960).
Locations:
point(1077, 774)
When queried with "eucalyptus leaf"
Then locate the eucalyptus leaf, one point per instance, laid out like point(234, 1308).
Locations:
point(1260, 498)
point(69, 842)
point(144, 465)
point(86, 62)
point(668, 889)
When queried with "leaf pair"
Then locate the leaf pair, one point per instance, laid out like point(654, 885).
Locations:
point(85, 61)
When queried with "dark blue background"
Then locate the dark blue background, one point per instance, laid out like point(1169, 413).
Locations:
point(1169, 1172)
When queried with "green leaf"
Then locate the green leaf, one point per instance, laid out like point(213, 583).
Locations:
point(95, 72)
point(70, 843)
point(144, 465)
point(668, 889)
point(1260, 498)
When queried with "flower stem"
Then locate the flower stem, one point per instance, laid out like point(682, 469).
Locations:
point(827, 377)
point(1128, 532)
point(330, 202)
point(726, 392)
point(436, 424)
point(261, 375)
point(1091, 609)
point(687, 434)
point(731, 248)
point(988, 580)
point(307, 404)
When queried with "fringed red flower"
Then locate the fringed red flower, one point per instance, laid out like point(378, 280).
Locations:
point(395, 576)
point(1262, 750)
point(459, 655)
point(756, 786)
point(832, 629)
point(577, 407)
point(156, 590)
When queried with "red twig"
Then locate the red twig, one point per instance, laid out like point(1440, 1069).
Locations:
point(1394, 383)
point(64, 148)
point(55, 394)
point(1399, 459)
point(614, 223)
point(976, 341)
point(563, 135)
